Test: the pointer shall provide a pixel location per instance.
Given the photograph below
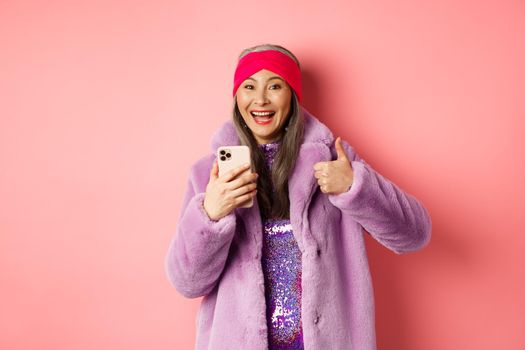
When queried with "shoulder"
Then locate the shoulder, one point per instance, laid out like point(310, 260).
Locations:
point(317, 133)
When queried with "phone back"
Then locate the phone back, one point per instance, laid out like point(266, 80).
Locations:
point(231, 157)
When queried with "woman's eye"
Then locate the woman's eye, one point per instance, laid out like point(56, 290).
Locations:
point(248, 86)
point(275, 86)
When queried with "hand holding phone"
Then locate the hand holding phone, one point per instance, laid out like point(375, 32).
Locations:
point(232, 184)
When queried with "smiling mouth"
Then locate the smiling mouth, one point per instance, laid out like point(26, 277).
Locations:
point(262, 117)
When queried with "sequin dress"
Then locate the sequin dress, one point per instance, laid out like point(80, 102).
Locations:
point(281, 263)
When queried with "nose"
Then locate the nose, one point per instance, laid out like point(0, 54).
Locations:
point(260, 97)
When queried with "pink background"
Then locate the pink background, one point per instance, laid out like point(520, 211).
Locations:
point(104, 106)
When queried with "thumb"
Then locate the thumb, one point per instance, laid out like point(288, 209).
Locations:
point(341, 154)
point(214, 172)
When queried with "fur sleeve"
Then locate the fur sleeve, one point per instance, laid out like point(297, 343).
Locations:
point(197, 252)
point(393, 217)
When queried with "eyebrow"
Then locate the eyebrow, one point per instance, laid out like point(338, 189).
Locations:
point(274, 77)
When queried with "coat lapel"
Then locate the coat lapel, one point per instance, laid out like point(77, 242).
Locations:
point(302, 185)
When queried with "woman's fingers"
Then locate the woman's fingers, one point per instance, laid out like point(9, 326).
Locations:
point(319, 174)
point(245, 197)
point(234, 172)
point(221, 198)
point(214, 172)
point(243, 189)
point(242, 180)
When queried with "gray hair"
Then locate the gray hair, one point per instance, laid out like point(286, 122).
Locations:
point(265, 47)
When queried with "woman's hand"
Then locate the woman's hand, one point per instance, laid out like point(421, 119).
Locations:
point(227, 192)
point(336, 176)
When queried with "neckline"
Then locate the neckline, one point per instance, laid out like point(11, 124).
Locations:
point(270, 144)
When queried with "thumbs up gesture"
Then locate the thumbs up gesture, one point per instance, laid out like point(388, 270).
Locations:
point(336, 176)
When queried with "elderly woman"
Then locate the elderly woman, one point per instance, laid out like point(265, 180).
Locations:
point(291, 271)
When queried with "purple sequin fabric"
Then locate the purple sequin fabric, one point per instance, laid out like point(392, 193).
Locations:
point(281, 263)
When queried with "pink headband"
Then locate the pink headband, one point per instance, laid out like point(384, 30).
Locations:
point(272, 60)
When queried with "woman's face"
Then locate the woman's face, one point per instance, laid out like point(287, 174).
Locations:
point(264, 102)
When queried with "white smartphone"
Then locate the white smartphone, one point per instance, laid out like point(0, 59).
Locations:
point(231, 157)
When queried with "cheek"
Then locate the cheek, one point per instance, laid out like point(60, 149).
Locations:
point(245, 116)
point(284, 101)
point(285, 105)
point(240, 101)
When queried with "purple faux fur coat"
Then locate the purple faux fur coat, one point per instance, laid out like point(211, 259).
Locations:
point(221, 260)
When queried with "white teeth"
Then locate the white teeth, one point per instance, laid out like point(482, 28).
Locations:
point(262, 114)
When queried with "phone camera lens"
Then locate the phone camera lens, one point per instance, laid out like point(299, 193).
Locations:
point(228, 155)
point(222, 152)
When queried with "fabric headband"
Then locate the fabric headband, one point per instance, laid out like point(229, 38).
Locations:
point(272, 60)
